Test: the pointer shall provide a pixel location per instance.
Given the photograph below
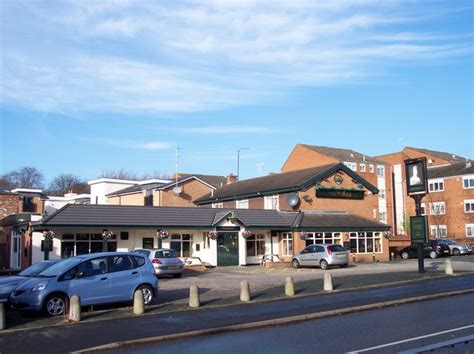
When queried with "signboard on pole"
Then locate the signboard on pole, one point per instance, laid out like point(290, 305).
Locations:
point(419, 230)
point(416, 176)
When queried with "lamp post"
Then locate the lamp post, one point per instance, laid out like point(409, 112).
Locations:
point(48, 243)
point(106, 236)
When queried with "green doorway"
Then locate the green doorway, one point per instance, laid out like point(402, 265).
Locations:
point(227, 249)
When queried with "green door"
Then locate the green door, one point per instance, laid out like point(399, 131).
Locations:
point(227, 249)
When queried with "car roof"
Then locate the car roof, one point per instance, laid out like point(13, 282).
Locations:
point(153, 249)
point(104, 254)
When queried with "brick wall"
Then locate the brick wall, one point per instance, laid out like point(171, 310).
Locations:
point(191, 190)
point(9, 204)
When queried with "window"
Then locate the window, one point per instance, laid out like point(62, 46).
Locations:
point(365, 242)
point(469, 206)
point(437, 208)
point(469, 230)
point(436, 185)
point(29, 205)
point(468, 182)
point(323, 238)
point(124, 235)
point(149, 197)
point(362, 167)
point(119, 263)
point(75, 245)
point(380, 171)
point(371, 168)
point(382, 193)
point(423, 209)
point(438, 231)
point(272, 202)
point(218, 205)
point(242, 204)
point(147, 242)
point(287, 244)
point(256, 245)
point(383, 216)
point(181, 243)
point(351, 165)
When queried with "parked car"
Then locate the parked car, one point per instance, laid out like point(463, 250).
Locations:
point(8, 284)
point(322, 256)
point(432, 249)
point(164, 260)
point(96, 278)
point(457, 248)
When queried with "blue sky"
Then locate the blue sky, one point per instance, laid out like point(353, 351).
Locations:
point(93, 86)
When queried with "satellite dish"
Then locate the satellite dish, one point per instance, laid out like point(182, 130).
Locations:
point(293, 199)
point(177, 190)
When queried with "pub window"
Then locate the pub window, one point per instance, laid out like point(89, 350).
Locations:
point(124, 235)
point(365, 242)
point(147, 242)
point(324, 238)
point(181, 243)
point(287, 244)
point(256, 245)
point(75, 245)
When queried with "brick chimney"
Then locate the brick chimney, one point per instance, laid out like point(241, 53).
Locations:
point(231, 178)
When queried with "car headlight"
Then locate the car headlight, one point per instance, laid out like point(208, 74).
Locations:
point(40, 286)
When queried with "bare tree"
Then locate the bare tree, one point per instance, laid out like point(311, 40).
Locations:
point(119, 174)
point(157, 175)
point(67, 183)
point(25, 177)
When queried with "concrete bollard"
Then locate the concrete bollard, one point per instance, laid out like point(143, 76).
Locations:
point(289, 287)
point(75, 309)
point(194, 296)
point(138, 303)
point(328, 281)
point(2, 316)
point(244, 291)
point(449, 267)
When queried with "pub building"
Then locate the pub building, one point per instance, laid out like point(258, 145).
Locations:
point(237, 224)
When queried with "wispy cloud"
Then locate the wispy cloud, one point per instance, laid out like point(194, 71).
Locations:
point(131, 144)
point(76, 57)
point(226, 129)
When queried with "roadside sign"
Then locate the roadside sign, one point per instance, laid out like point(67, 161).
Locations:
point(416, 176)
point(419, 229)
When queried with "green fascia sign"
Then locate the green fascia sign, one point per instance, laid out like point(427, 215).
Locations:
point(419, 229)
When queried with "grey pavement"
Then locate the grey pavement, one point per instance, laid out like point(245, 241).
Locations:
point(65, 338)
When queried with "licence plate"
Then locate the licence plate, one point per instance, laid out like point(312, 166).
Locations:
point(446, 251)
point(340, 255)
point(173, 267)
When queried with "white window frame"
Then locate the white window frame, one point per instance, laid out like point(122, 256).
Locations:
point(371, 168)
point(381, 193)
point(351, 165)
point(363, 236)
point(470, 183)
point(423, 209)
point(256, 239)
point(287, 244)
point(272, 202)
point(380, 171)
point(436, 185)
point(469, 230)
point(242, 204)
point(182, 239)
point(441, 208)
point(434, 231)
point(324, 238)
point(383, 216)
point(218, 205)
point(362, 167)
point(469, 202)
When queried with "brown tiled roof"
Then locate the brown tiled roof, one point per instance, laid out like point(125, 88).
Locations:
point(279, 183)
point(215, 181)
point(440, 154)
point(338, 221)
point(456, 169)
point(342, 155)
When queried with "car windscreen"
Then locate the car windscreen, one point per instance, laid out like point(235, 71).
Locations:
point(35, 269)
point(59, 268)
point(448, 242)
point(336, 248)
point(165, 254)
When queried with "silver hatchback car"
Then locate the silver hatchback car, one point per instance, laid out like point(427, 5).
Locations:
point(164, 260)
point(457, 248)
point(322, 256)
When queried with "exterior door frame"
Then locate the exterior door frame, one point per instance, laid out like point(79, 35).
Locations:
point(235, 252)
point(15, 243)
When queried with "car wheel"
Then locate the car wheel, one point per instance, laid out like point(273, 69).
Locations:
point(456, 252)
point(177, 275)
point(324, 264)
point(343, 265)
point(295, 264)
point(433, 255)
point(147, 292)
point(55, 305)
point(405, 255)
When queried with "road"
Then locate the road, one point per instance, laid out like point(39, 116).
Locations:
point(389, 330)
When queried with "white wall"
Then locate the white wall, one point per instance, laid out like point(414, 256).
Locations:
point(101, 187)
point(399, 199)
point(37, 255)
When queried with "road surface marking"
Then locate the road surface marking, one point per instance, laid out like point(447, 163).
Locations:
point(410, 339)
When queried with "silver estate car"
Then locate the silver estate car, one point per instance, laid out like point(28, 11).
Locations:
point(456, 248)
point(322, 256)
point(164, 260)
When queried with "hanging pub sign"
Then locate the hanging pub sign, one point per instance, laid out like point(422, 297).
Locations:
point(419, 229)
point(416, 176)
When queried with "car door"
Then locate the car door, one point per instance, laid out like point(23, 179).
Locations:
point(312, 256)
point(124, 277)
point(320, 252)
point(304, 257)
point(91, 282)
